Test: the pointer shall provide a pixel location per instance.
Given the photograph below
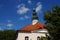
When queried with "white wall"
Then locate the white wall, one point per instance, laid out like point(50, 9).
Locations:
point(32, 36)
point(41, 30)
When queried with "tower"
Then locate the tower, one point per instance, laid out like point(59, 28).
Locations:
point(34, 17)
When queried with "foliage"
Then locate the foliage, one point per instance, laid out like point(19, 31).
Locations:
point(44, 38)
point(52, 19)
point(8, 35)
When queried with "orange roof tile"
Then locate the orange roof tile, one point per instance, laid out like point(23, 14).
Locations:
point(32, 27)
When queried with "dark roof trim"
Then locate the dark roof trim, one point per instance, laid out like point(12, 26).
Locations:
point(24, 31)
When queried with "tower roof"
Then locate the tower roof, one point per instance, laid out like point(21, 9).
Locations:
point(34, 15)
point(31, 27)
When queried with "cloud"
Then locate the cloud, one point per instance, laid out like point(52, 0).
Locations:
point(1, 28)
point(29, 1)
point(39, 7)
point(9, 20)
point(21, 18)
point(22, 9)
point(9, 25)
point(24, 17)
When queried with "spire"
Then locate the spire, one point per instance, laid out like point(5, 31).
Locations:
point(34, 17)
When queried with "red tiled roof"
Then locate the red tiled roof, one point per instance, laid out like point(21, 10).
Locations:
point(32, 27)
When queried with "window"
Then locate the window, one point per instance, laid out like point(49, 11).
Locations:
point(26, 38)
point(38, 38)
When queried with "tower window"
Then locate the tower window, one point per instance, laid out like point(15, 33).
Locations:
point(26, 38)
point(38, 38)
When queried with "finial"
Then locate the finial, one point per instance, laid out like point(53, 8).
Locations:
point(34, 9)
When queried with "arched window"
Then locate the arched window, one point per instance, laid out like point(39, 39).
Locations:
point(26, 38)
point(38, 38)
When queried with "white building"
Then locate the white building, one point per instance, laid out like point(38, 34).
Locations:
point(33, 31)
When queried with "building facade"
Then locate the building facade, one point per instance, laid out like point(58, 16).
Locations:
point(33, 31)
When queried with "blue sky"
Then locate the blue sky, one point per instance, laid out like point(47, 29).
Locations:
point(15, 14)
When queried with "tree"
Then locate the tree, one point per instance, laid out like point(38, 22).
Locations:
point(52, 18)
point(8, 35)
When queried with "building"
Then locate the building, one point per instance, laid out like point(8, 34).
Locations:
point(33, 31)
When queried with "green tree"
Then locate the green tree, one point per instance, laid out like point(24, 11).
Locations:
point(8, 35)
point(52, 18)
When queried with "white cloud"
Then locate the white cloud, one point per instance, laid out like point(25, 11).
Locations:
point(39, 6)
point(9, 25)
point(38, 3)
point(22, 9)
point(21, 18)
point(20, 5)
point(24, 17)
point(29, 1)
point(1, 28)
point(9, 20)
